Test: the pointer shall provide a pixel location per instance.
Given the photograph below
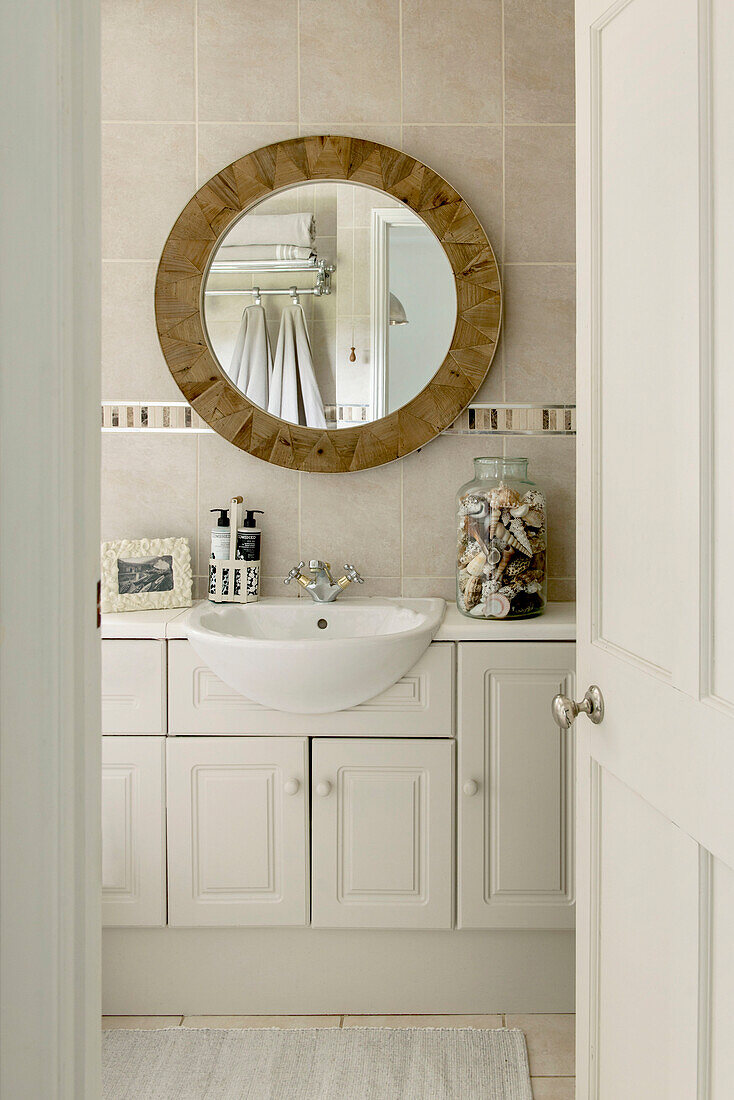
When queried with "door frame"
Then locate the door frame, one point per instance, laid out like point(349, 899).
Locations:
point(49, 551)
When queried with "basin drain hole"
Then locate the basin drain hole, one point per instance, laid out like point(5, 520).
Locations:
point(322, 624)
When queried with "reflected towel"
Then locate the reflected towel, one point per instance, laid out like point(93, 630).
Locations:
point(252, 359)
point(296, 229)
point(294, 392)
point(263, 252)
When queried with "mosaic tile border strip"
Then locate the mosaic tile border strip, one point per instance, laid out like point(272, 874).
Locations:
point(478, 419)
point(515, 419)
point(151, 416)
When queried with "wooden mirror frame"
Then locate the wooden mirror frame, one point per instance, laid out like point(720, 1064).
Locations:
point(194, 239)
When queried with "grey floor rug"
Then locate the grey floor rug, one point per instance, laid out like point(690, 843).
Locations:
point(316, 1064)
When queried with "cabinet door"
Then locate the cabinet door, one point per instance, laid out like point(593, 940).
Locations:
point(515, 780)
point(133, 831)
point(382, 833)
point(133, 686)
point(237, 831)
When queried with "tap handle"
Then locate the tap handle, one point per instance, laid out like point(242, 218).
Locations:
point(295, 573)
point(351, 573)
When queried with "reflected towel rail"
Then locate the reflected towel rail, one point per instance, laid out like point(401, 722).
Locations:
point(293, 292)
point(321, 286)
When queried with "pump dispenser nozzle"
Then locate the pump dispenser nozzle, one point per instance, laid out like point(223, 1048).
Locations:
point(249, 520)
point(223, 520)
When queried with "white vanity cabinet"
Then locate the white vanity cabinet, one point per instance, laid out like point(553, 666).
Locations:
point(133, 831)
point(382, 833)
point(515, 789)
point(445, 803)
point(238, 839)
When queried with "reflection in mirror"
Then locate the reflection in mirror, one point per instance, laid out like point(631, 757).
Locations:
point(329, 304)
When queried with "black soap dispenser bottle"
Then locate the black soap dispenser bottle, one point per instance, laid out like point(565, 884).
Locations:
point(249, 536)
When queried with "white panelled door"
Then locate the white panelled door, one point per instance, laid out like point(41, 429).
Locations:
point(655, 826)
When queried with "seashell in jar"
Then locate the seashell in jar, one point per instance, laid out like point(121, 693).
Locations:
point(464, 579)
point(507, 538)
point(504, 561)
point(503, 497)
point(520, 510)
point(489, 587)
point(472, 592)
point(537, 540)
point(494, 518)
point(467, 553)
point(497, 606)
point(517, 566)
point(516, 526)
point(477, 564)
point(473, 506)
point(534, 498)
point(534, 517)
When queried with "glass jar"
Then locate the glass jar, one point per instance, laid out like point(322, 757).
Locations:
point(502, 538)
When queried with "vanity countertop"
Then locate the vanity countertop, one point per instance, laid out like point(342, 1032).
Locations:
point(558, 624)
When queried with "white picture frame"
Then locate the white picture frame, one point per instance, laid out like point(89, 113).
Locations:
point(145, 574)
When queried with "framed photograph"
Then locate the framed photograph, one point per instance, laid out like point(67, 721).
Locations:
point(145, 574)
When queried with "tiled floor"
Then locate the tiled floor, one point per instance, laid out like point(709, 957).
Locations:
point(550, 1037)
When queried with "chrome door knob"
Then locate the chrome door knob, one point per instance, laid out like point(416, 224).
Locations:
point(470, 788)
point(565, 711)
point(292, 786)
point(323, 789)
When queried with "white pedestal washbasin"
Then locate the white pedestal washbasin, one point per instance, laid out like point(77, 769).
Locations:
point(313, 658)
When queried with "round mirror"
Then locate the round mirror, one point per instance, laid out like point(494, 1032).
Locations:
point(328, 303)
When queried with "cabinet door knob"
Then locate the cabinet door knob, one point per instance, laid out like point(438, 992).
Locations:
point(471, 787)
point(292, 786)
point(323, 789)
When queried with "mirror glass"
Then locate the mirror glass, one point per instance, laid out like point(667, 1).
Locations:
point(329, 304)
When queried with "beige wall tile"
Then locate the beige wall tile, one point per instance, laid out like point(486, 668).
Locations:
point(420, 587)
point(493, 386)
point(147, 178)
point(423, 1021)
point(553, 1088)
point(539, 61)
point(222, 143)
point(539, 194)
point(350, 62)
point(562, 589)
point(148, 60)
point(226, 471)
point(550, 1040)
point(388, 587)
point(553, 466)
point(353, 518)
point(452, 58)
point(539, 335)
point(385, 135)
point(133, 366)
point(431, 479)
point(470, 158)
point(285, 1022)
point(149, 486)
point(247, 61)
